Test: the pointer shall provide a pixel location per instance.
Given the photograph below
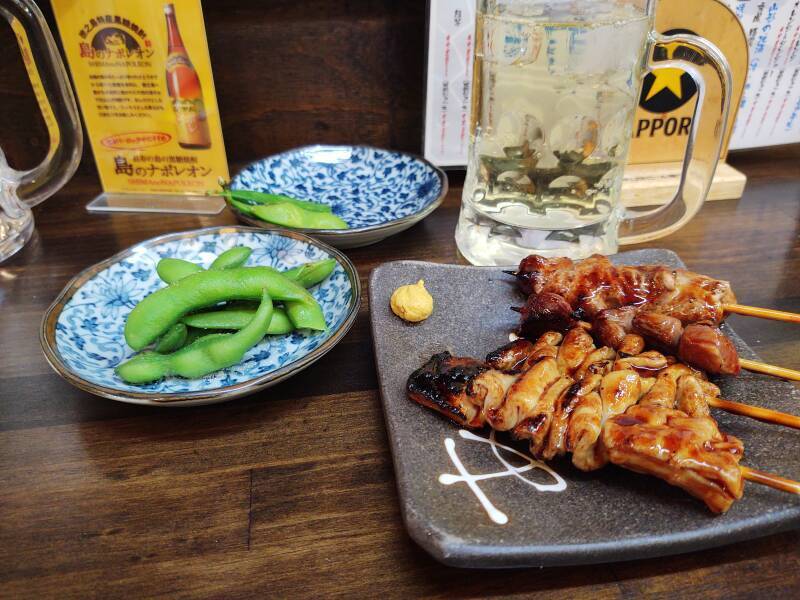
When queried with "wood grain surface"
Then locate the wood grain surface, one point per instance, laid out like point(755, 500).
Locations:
point(291, 492)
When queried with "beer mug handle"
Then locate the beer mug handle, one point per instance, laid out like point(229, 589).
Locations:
point(56, 102)
point(710, 71)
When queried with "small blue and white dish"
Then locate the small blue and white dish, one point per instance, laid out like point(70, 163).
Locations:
point(82, 331)
point(377, 192)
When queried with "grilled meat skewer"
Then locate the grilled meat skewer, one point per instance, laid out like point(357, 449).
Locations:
point(564, 394)
point(702, 345)
point(699, 344)
point(687, 452)
point(654, 301)
point(595, 284)
point(673, 309)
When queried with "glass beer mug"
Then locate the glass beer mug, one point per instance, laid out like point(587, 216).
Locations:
point(555, 89)
point(22, 190)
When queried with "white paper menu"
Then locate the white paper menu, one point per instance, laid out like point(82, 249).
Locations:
point(769, 113)
point(451, 50)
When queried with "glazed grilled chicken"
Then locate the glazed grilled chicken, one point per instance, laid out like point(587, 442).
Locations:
point(688, 452)
point(675, 310)
point(594, 284)
point(565, 395)
point(698, 344)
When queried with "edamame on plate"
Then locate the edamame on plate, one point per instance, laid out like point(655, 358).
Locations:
point(201, 316)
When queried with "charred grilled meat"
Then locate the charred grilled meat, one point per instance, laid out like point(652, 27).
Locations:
point(673, 310)
point(563, 394)
point(458, 387)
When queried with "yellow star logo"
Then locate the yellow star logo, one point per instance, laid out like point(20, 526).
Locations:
point(667, 78)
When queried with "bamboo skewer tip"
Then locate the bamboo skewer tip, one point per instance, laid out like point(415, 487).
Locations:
point(756, 412)
point(770, 480)
point(759, 367)
point(763, 313)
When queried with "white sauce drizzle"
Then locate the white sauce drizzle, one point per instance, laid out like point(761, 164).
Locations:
point(512, 337)
point(471, 480)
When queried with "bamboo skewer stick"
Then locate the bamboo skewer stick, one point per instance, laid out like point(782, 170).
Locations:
point(774, 481)
point(755, 412)
point(758, 367)
point(763, 313)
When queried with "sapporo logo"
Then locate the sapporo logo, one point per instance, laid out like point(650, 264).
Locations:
point(668, 89)
point(113, 37)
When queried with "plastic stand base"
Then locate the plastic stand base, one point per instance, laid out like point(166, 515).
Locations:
point(157, 203)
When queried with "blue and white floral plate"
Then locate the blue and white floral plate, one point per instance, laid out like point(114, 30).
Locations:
point(82, 331)
point(377, 192)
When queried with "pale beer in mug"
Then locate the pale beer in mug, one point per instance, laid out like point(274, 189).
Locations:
point(555, 89)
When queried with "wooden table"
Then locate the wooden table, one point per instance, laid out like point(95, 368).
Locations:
point(291, 491)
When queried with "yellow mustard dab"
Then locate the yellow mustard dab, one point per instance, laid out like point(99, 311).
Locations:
point(412, 302)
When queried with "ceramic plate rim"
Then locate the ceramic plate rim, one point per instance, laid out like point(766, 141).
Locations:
point(47, 327)
point(412, 218)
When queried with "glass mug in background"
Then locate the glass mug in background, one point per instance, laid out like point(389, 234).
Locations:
point(22, 190)
point(555, 89)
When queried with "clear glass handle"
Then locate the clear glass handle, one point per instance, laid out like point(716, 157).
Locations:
point(708, 67)
point(54, 95)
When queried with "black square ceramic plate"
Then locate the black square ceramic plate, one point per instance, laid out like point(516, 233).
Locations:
point(473, 504)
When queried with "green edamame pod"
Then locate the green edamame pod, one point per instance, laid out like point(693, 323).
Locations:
point(289, 215)
point(171, 270)
point(206, 355)
point(241, 206)
point(230, 259)
point(305, 315)
point(172, 340)
point(165, 307)
point(236, 318)
point(251, 197)
point(312, 273)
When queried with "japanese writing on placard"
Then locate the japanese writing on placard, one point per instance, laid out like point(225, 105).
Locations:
point(769, 105)
point(126, 94)
point(158, 169)
point(451, 49)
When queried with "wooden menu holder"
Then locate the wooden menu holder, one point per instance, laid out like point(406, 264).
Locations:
point(668, 101)
point(655, 183)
